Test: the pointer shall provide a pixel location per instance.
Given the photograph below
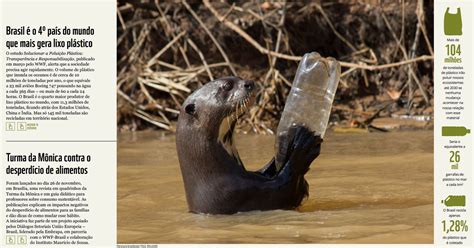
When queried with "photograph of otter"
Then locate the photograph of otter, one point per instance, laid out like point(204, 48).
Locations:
point(223, 137)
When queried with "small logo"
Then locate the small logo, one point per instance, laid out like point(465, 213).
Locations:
point(10, 126)
point(21, 239)
point(10, 239)
point(21, 126)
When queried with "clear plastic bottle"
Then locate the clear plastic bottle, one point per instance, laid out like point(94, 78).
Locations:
point(310, 100)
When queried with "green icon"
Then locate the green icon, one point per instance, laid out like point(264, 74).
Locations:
point(10, 239)
point(455, 201)
point(452, 22)
point(454, 131)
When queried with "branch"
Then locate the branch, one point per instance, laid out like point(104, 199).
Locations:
point(263, 50)
point(224, 55)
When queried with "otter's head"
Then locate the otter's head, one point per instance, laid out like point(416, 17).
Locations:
point(218, 101)
point(211, 112)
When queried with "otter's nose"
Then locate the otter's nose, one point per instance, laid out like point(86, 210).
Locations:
point(249, 85)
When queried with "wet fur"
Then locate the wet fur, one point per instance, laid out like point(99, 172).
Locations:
point(215, 179)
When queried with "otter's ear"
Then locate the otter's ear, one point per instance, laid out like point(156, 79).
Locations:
point(190, 109)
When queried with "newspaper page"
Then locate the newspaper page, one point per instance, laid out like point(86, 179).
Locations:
point(58, 123)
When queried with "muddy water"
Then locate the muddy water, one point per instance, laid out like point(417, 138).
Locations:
point(364, 188)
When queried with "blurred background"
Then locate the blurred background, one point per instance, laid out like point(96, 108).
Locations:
point(167, 49)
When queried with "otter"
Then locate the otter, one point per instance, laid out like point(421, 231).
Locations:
point(215, 179)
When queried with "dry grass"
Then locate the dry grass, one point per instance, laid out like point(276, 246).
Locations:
point(166, 50)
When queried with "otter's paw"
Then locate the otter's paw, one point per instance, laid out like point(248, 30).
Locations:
point(269, 170)
point(304, 148)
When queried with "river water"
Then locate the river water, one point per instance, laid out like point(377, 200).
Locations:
point(364, 188)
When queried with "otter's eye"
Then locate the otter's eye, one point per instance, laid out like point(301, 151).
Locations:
point(190, 108)
point(227, 86)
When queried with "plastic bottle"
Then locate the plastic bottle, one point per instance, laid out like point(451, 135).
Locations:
point(454, 131)
point(310, 100)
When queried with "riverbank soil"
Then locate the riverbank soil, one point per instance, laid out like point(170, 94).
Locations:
point(167, 50)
